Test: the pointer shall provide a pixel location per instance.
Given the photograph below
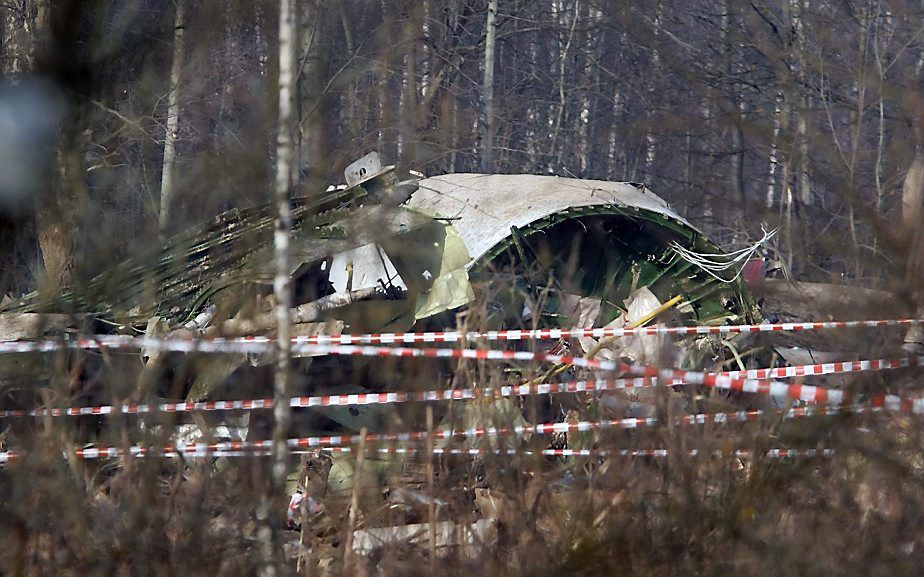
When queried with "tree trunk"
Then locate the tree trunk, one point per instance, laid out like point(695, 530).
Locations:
point(736, 168)
point(562, 101)
point(56, 213)
point(173, 119)
point(487, 91)
point(774, 151)
point(410, 123)
point(737, 162)
point(259, 36)
point(913, 192)
point(316, 111)
point(271, 505)
point(387, 94)
point(805, 186)
point(8, 48)
point(912, 212)
point(651, 141)
point(56, 216)
point(282, 281)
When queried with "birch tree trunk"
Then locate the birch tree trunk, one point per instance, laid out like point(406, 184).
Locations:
point(774, 150)
point(651, 140)
point(173, 119)
point(271, 505)
point(798, 7)
point(487, 139)
point(282, 281)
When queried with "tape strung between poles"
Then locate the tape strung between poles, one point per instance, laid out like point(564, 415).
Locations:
point(745, 381)
point(317, 442)
point(651, 453)
point(719, 380)
point(266, 344)
point(741, 453)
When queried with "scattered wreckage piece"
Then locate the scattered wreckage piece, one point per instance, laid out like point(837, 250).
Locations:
point(588, 238)
point(418, 259)
point(384, 255)
point(466, 540)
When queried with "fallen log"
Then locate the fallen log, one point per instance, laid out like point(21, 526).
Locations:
point(828, 301)
point(17, 326)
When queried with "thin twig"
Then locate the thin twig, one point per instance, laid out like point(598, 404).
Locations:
point(354, 502)
point(431, 505)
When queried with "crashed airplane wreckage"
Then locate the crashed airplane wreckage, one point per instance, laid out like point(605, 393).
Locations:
point(381, 255)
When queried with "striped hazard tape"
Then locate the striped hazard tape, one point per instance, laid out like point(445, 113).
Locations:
point(265, 344)
point(662, 453)
point(352, 399)
point(828, 368)
point(317, 442)
point(455, 451)
point(751, 381)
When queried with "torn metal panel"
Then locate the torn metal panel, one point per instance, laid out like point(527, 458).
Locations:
point(365, 169)
point(363, 267)
point(466, 540)
point(451, 288)
point(431, 265)
point(583, 237)
point(483, 207)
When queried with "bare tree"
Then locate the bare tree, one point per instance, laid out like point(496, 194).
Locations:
point(487, 139)
point(281, 284)
point(283, 191)
point(798, 45)
point(775, 151)
point(173, 118)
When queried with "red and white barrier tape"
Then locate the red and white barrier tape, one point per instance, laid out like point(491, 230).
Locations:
point(752, 381)
point(265, 344)
point(641, 453)
point(316, 442)
point(828, 368)
point(771, 453)
point(718, 380)
point(344, 400)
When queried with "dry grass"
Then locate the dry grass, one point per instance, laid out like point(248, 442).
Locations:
point(858, 512)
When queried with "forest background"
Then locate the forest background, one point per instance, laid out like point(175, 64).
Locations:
point(124, 121)
point(799, 114)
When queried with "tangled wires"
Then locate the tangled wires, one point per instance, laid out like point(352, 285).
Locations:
point(713, 264)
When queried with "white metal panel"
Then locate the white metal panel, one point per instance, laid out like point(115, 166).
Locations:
point(484, 206)
point(370, 263)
